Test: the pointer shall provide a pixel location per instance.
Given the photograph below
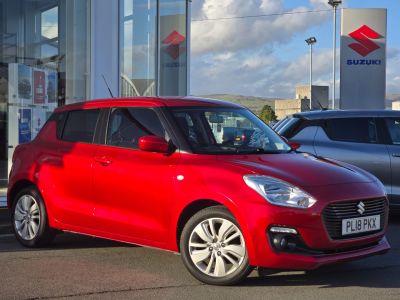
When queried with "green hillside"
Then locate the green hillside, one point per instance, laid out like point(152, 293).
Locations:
point(253, 103)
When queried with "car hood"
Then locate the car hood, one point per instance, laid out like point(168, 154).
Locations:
point(301, 169)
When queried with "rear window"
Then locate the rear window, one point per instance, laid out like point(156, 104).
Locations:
point(286, 128)
point(358, 130)
point(393, 126)
point(80, 125)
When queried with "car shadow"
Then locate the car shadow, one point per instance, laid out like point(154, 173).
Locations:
point(336, 276)
point(63, 241)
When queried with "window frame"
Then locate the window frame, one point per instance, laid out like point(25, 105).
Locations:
point(106, 120)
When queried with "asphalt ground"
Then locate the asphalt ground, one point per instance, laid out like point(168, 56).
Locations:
point(77, 267)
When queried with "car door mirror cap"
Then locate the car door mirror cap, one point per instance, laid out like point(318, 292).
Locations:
point(293, 145)
point(152, 143)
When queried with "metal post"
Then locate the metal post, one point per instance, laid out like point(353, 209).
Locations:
point(334, 4)
point(311, 76)
point(311, 41)
point(334, 59)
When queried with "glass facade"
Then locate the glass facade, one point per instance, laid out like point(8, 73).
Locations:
point(56, 52)
point(44, 63)
point(153, 47)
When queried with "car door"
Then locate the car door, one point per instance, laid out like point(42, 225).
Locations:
point(68, 165)
point(134, 189)
point(355, 141)
point(393, 127)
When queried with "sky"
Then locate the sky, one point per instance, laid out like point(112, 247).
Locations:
point(268, 56)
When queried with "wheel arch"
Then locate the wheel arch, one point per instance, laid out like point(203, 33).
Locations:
point(18, 186)
point(190, 210)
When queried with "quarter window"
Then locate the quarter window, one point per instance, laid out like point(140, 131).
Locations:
point(393, 126)
point(80, 125)
point(127, 125)
point(357, 130)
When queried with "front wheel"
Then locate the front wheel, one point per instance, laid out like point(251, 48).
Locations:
point(213, 247)
point(29, 219)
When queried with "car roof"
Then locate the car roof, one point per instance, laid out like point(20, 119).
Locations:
point(331, 114)
point(149, 102)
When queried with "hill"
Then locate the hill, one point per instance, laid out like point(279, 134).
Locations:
point(253, 103)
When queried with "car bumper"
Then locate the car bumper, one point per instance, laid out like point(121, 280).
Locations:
point(289, 261)
point(315, 245)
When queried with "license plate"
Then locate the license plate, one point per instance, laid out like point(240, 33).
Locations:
point(362, 224)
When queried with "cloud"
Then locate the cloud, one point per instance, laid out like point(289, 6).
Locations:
point(257, 72)
point(392, 71)
point(244, 56)
point(240, 34)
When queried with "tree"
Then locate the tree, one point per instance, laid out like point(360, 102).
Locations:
point(267, 114)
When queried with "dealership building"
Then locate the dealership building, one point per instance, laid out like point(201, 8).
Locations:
point(56, 52)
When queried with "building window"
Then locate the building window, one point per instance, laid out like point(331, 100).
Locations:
point(138, 44)
point(44, 63)
point(173, 48)
point(153, 45)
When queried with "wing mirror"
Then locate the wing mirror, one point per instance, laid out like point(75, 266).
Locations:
point(292, 145)
point(153, 143)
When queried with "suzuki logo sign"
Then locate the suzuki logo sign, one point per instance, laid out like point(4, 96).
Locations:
point(174, 41)
point(363, 36)
point(361, 208)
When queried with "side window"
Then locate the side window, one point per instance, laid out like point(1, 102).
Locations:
point(127, 125)
point(80, 125)
point(393, 126)
point(357, 130)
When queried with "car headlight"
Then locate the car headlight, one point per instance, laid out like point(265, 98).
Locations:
point(279, 192)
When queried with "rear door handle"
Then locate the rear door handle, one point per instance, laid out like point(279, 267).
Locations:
point(103, 160)
point(396, 154)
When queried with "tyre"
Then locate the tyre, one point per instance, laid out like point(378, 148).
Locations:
point(213, 248)
point(29, 219)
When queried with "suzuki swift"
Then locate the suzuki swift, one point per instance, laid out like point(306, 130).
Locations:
point(201, 177)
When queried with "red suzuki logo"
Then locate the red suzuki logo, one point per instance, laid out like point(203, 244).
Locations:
point(174, 40)
point(363, 36)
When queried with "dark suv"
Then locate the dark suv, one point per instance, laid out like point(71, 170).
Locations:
point(367, 139)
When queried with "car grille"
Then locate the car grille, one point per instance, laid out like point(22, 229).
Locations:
point(334, 213)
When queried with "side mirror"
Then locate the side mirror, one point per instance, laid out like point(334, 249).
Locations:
point(153, 143)
point(292, 145)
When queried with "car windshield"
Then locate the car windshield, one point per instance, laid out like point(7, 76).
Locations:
point(227, 131)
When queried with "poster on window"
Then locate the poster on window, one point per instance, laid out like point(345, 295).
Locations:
point(39, 89)
point(24, 82)
point(38, 120)
point(19, 84)
point(24, 125)
point(51, 87)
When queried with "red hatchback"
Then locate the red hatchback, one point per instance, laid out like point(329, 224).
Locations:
point(201, 177)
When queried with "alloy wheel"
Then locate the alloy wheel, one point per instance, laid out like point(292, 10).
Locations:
point(217, 247)
point(27, 217)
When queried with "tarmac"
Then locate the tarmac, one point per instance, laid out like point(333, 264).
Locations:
point(5, 224)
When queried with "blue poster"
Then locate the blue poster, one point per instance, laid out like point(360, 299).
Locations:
point(24, 125)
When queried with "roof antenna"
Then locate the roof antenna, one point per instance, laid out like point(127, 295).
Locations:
point(320, 106)
point(105, 81)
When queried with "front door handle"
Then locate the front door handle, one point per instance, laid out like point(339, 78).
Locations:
point(396, 154)
point(103, 160)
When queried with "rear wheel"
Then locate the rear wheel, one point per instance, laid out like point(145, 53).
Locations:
point(213, 247)
point(29, 219)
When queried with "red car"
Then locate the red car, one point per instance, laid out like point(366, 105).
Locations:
point(160, 172)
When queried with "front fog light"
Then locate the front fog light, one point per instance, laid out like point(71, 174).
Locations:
point(283, 238)
point(283, 230)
